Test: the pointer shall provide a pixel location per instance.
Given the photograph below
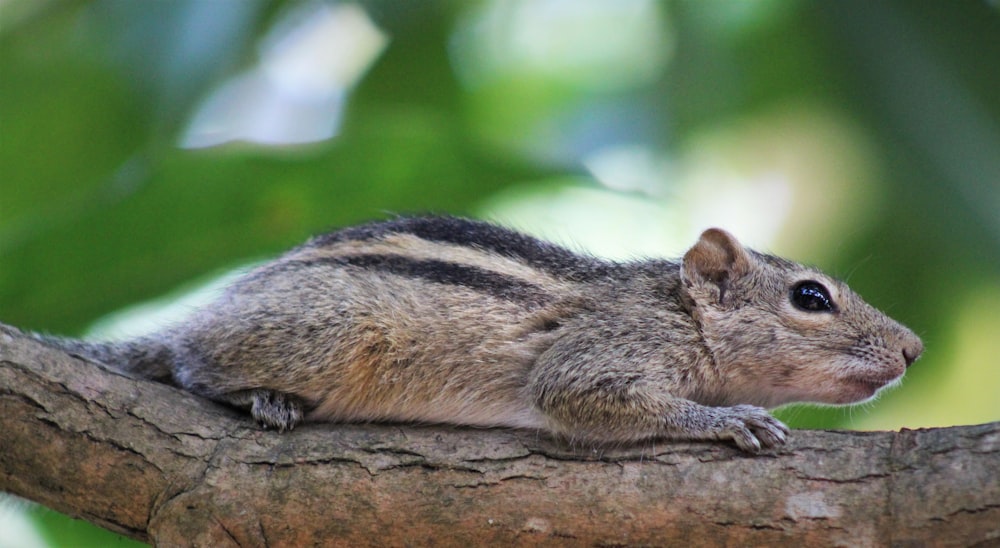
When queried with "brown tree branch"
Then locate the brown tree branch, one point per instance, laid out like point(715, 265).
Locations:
point(163, 466)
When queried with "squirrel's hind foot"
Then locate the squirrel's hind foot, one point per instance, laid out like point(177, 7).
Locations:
point(270, 408)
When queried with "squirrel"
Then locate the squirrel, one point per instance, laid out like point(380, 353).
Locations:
point(456, 321)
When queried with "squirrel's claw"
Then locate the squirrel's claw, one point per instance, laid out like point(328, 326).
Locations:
point(752, 428)
point(276, 410)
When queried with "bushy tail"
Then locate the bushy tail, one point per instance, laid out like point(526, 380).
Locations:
point(144, 357)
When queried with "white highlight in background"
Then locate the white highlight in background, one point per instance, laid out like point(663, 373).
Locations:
point(297, 92)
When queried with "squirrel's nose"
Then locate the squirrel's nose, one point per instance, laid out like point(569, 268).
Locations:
point(912, 351)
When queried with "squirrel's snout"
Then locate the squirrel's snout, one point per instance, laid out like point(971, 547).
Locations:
point(912, 351)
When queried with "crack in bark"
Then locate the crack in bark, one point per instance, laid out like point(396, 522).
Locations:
point(176, 435)
point(26, 399)
point(225, 529)
point(487, 482)
point(845, 481)
point(976, 510)
point(262, 533)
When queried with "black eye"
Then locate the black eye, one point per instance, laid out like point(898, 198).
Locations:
point(812, 297)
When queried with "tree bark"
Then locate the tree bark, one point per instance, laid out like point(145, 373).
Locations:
point(163, 466)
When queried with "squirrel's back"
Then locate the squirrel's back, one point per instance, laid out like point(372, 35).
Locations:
point(417, 319)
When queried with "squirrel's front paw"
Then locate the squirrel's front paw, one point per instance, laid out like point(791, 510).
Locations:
point(751, 428)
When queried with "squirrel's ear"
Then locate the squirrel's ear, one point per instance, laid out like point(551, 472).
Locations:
point(717, 257)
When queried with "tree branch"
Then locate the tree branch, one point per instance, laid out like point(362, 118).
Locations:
point(164, 466)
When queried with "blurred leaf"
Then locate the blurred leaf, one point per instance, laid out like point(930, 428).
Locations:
point(164, 220)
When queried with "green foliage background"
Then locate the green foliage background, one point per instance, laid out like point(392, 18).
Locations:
point(100, 208)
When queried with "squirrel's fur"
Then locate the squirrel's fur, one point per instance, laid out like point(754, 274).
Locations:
point(447, 320)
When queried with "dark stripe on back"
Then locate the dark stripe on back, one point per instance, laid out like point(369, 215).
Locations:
point(443, 272)
point(545, 256)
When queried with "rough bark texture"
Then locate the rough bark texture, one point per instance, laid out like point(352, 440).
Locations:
point(167, 467)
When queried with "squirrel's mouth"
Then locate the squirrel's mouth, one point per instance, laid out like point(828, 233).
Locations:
point(862, 388)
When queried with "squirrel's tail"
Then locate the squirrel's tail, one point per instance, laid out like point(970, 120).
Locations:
point(144, 357)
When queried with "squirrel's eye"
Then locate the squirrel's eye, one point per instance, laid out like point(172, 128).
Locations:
point(812, 297)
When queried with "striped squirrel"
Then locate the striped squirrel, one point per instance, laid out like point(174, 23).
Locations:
point(448, 320)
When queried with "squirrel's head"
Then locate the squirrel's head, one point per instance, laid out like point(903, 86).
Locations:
point(784, 332)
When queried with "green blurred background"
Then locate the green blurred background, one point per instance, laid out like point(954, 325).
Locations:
point(148, 147)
